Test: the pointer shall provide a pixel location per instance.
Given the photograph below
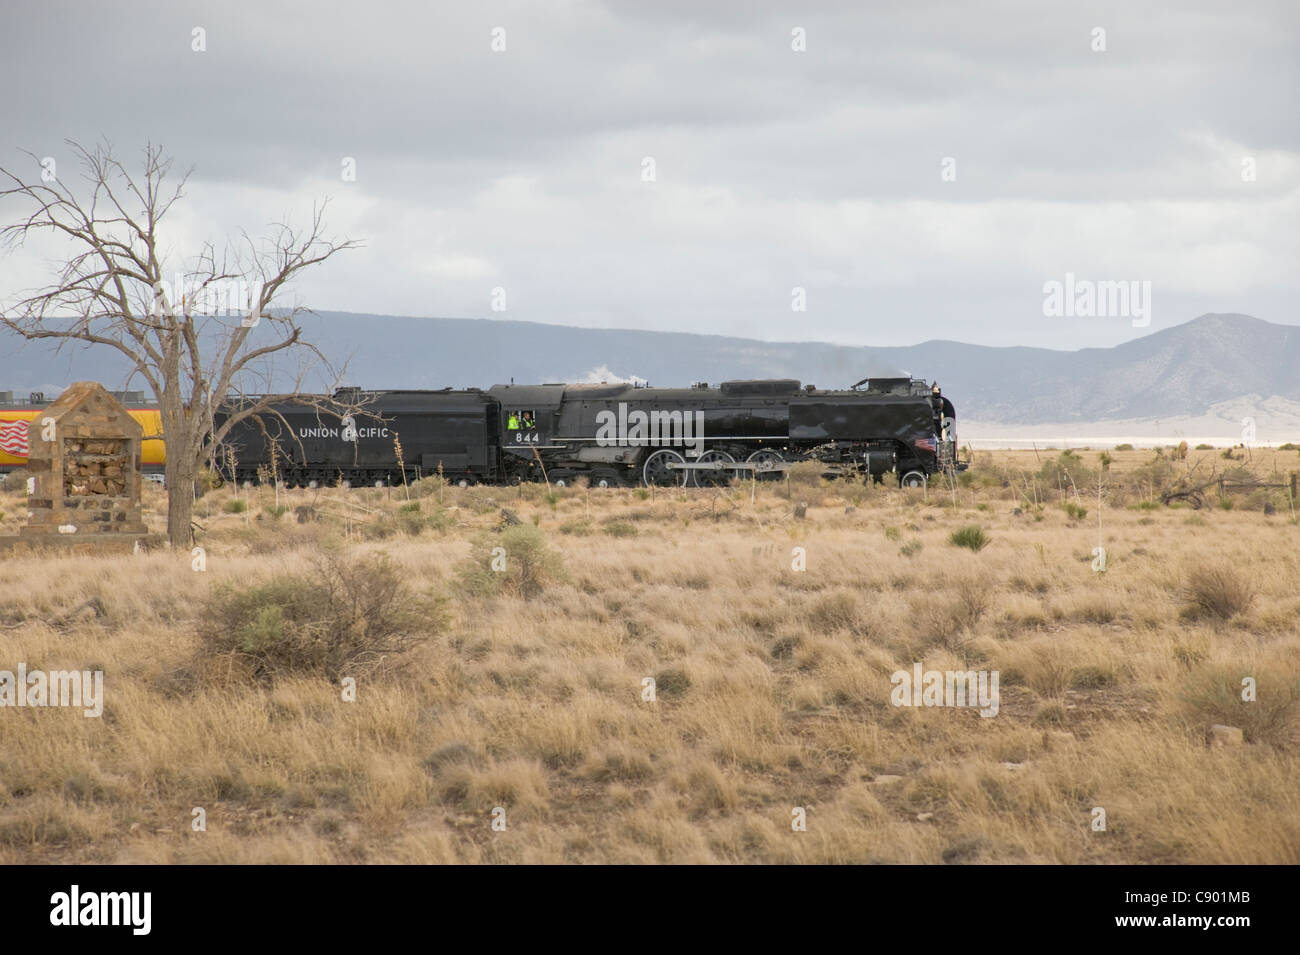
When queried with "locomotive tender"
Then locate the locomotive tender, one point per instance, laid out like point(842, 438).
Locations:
point(612, 434)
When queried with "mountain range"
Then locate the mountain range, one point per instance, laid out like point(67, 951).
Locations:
point(1188, 371)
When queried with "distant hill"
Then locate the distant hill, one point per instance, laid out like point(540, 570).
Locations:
point(1184, 371)
point(1181, 371)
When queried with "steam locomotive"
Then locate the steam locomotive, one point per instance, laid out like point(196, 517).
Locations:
point(611, 434)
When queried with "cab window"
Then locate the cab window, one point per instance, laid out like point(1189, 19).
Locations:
point(521, 419)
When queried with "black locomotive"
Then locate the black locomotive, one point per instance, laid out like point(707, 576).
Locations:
point(612, 434)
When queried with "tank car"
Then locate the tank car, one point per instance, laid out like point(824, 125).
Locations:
point(16, 412)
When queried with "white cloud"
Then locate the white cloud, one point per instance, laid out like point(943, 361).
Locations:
point(775, 169)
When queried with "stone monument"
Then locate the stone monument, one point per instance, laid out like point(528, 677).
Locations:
point(84, 467)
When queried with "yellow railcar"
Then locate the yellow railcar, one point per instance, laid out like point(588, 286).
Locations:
point(15, 416)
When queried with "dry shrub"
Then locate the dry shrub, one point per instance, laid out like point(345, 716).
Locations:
point(940, 621)
point(428, 487)
point(43, 823)
point(478, 499)
point(805, 483)
point(14, 482)
point(710, 790)
point(410, 520)
point(517, 785)
point(380, 528)
point(837, 610)
point(342, 618)
point(806, 474)
point(1066, 472)
point(1218, 590)
point(518, 562)
point(1044, 666)
point(266, 537)
point(1092, 677)
point(1214, 695)
point(1052, 714)
point(672, 682)
point(1148, 480)
point(947, 618)
point(617, 761)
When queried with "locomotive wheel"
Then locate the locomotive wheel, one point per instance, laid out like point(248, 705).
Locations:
point(656, 470)
point(764, 460)
point(713, 478)
point(561, 478)
point(912, 479)
point(605, 478)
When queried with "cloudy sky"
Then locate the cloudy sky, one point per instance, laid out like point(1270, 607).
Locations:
point(920, 169)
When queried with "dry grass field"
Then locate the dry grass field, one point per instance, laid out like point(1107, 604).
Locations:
point(523, 688)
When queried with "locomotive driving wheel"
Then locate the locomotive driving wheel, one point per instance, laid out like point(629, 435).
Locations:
point(705, 478)
point(764, 462)
point(912, 479)
point(657, 471)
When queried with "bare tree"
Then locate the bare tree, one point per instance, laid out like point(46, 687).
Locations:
point(218, 328)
